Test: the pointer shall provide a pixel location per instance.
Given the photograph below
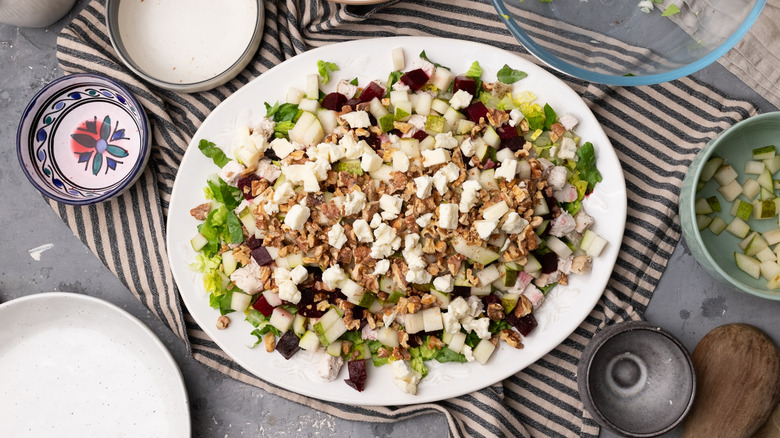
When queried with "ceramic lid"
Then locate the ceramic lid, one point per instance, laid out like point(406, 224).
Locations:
point(185, 45)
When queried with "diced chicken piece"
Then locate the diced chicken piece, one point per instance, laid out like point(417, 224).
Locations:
point(534, 295)
point(367, 334)
point(548, 279)
point(568, 121)
point(583, 221)
point(562, 225)
point(231, 173)
point(346, 89)
point(567, 194)
point(248, 278)
point(330, 366)
point(581, 264)
point(557, 177)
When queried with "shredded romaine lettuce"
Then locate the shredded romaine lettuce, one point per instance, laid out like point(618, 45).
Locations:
point(324, 69)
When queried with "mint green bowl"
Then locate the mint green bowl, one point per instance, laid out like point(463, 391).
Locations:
point(716, 253)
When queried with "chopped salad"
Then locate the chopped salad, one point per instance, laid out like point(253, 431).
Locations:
point(423, 217)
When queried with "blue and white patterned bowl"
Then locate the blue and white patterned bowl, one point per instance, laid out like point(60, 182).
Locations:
point(83, 139)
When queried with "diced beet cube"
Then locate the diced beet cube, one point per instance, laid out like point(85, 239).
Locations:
point(245, 185)
point(476, 111)
point(306, 306)
point(261, 256)
point(288, 344)
point(371, 91)
point(514, 143)
point(420, 135)
point(461, 291)
point(334, 101)
point(357, 374)
point(414, 79)
point(526, 324)
point(466, 84)
point(549, 262)
point(352, 102)
point(505, 131)
point(262, 306)
point(374, 141)
point(254, 242)
point(490, 299)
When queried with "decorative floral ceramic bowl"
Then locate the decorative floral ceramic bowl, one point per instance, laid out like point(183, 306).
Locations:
point(83, 139)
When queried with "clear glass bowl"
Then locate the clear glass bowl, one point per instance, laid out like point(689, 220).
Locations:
point(616, 42)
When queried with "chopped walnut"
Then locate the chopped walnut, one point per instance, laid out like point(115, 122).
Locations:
point(382, 352)
point(270, 342)
point(497, 117)
point(369, 319)
point(495, 311)
point(524, 307)
point(403, 338)
point(429, 301)
point(355, 354)
point(345, 347)
point(435, 343)
point(223, 322)
point(201, 212)
point(413, 304)
point(400, 354)
point(349, 321)
point(323, 306)
point(242, 254)
point(511, 337)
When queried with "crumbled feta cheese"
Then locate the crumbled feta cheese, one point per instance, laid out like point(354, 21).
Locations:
point(336, 152)
point(479, 326)
point(424, 220)
point(514, 117)
point(347, 89)
point(320, 169)
point(357, 119)
point(400, 86)
point(370, 161)
point(231, 173)
point(283, 193)
point(288, 291)
point(468, 148)
point(568, 120)
point(448, 216)
point(444, 283)
point(507, 170)
point(354, 203)
point(469, 196)
point(362, 231)
point(310, 176)
point(281, 274)
point(336, 236)
point(386, 242)
point(485, 228)
point(299, 274)
point(568, 149)
point(445, 140)
point(514, 223)
point(382, 266)
point(400, 161)
point(467, 352)
point(352, 148)
point(330, 366)
point(388, 319)
point(440, 182)
point(264, 128)
point(418, 276)
point(247, 278)
point(435, 156)
point(405, 377)
point(475, 306)
point(334, 277)
point(562, 225)
point(391, 206)
point(424, 184)
point(451, 171)
point(495, 211)
point(458, 308)
point(282, 147)
point(318, 152)
point(376, 220)
point(418, 121)
point(425, 65)
point(461, 99)
point(270, 207)
point(558, 177)
point(451, 324)
point(297, 216)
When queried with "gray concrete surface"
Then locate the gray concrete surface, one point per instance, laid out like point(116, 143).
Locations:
point(688, 303)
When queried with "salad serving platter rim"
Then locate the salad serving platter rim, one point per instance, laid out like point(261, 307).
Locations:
point(608, 202)
point(128, 332)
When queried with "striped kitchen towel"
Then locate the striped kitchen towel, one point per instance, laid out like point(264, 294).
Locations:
point(655, 130)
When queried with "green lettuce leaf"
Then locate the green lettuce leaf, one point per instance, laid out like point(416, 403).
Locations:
point(475, 71)
point(324, 69)
point(549, 117)
point(508, 75)
point(425, 57)
point(212, 151)
point(586, 166)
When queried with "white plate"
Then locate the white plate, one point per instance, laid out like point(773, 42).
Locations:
point(75, 366)
point(566, 307)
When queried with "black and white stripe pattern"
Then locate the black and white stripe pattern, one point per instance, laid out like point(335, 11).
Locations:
point(656, 131)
